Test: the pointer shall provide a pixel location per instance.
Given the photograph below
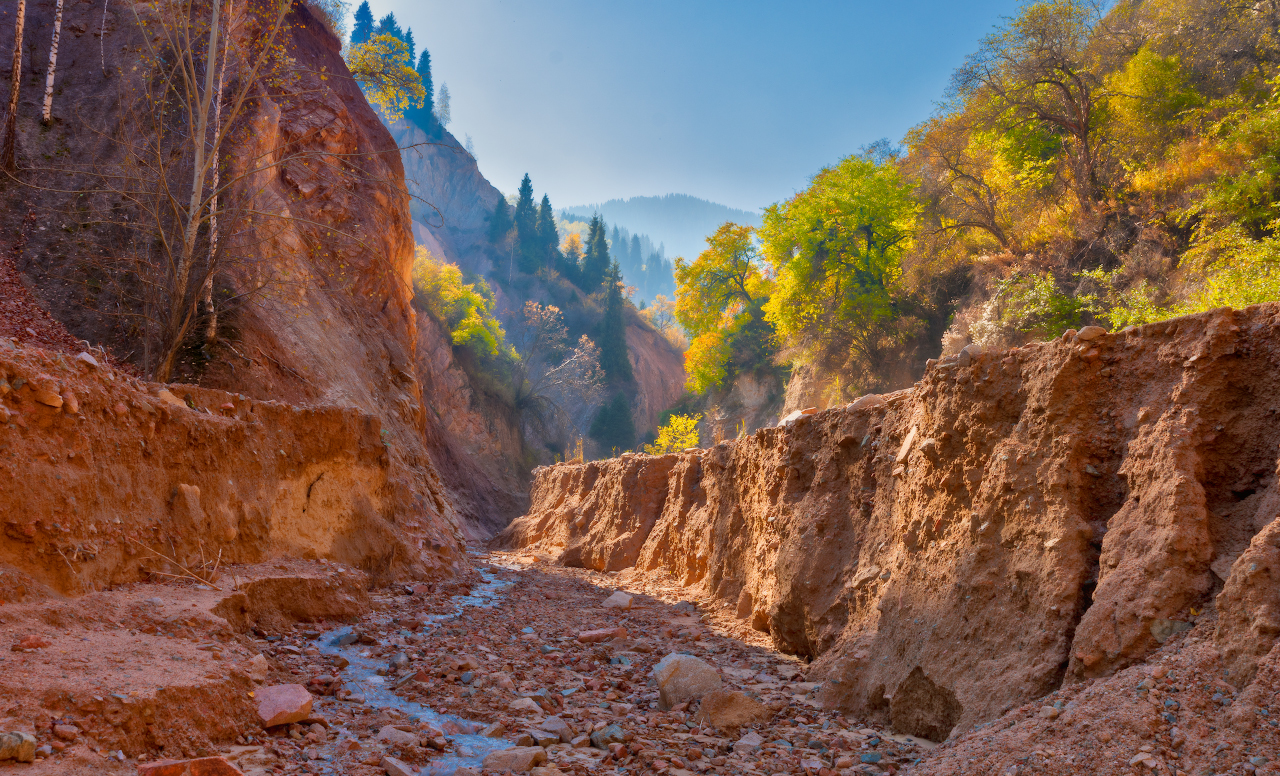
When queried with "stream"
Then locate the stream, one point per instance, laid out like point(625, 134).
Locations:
point(361, 678)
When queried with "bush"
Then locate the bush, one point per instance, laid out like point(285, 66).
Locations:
point(465, 309)
point(680, 433)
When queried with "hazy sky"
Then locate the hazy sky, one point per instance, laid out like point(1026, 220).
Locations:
point(738, 102)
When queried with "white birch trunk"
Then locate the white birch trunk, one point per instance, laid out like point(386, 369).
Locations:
point(53, 64)
point(211, 331)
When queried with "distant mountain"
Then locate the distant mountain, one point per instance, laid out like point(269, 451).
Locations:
point(679, 222)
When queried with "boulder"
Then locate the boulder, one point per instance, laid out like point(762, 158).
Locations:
point(395, 767)
point(682, 678)
point(283, 703)
point(618, 600)
point(395, 736)
point(730, 711)
point(611, 734)
point(518, 759)
point(17, 746)
point(558, 727)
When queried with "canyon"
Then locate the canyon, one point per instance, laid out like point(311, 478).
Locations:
point(1060, 558)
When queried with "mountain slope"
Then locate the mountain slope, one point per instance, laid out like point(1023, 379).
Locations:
point(679, 221)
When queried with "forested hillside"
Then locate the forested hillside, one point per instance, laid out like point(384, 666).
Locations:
point(1085, 167)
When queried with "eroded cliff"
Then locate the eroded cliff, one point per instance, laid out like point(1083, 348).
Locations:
point(1016, 521)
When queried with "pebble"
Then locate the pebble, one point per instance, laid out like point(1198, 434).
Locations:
point(282, 704)
point(618, 600)
point(682, 678)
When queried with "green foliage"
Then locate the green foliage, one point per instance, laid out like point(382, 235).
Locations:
point(500, 223)
point(382, 68)
point(679, 433)
point(1151, 98)
point(613, 427)
point(706, 362)
point(612, 338)
point(1035, 305)
point(465, 309)
point(836, 249)
point(722, 281)
point(595, 262)
point(362, 30)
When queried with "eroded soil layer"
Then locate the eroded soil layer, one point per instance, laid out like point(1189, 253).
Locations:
point(1016, 523)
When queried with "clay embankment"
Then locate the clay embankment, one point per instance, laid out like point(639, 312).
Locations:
point(1016, 521)
point(104, 478)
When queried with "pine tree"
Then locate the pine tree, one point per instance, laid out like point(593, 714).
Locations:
point(408, 41)
point(596, 261)
point(363, 29)
point(526, 221)
point(443, 116)
point(388, 25)
point(612, 339)
point(499, 222)
point(424, 117)
point(548, 235)
point(613, 427)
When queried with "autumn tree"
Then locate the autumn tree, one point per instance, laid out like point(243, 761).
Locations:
point(1042, 71)
point(382, 68)
point(719, 301)
point(836, 249)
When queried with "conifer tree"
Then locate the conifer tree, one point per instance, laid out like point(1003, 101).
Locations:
point(388, 25)
point(424, 116)
point(500, 221)
point(526, 222)
point(612, 340)
point(408, 41)
point(596, 261)
point(363, 29)
point(548, 236)
point(613, 427)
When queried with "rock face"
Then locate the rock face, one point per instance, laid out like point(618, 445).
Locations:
point(133, 484)
point(945, 553)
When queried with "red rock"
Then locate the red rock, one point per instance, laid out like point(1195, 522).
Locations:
point(283, 703)
point(203, 766)
point(603, 634)
point(32, 642)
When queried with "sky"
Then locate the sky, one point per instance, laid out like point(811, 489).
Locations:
point(740, 102)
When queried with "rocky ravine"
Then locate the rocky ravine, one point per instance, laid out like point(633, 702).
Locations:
point(1016, 523)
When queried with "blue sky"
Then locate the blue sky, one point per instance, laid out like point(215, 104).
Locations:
point(737, 102)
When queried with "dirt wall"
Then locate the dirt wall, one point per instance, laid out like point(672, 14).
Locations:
point(105, 479)
point(1015, 521)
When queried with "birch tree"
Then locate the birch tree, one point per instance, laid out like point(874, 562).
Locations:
point(9, 156)
point(53, 63)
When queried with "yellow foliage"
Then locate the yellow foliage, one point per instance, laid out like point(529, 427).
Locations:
point(680, 433)
point(383, 67)
point(466, 309)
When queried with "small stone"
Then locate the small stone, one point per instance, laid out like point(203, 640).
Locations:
point(581, 742)
point(395, 767)
point(496, 730)
point(543, 738)
point(282, 704)
point(465, 771)
point(618, 600)
point(257, 667)
point(395, 736)
point(1049, 712)
point(202, 766)
point(557, 727)
point(683, 678)
point(168, 398)
point(1090, 333)
point(1143, 758)
point(730, 711)
point(528, 705)
point(519, 759)
point(47, 397)
point(66, 732)
point(748, 743)
point(87, 360)
point(610, 734)
point(870, 757)
point(601, 635)
point(31, 642)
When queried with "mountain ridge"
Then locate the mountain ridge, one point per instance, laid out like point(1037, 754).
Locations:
point(680, 222)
